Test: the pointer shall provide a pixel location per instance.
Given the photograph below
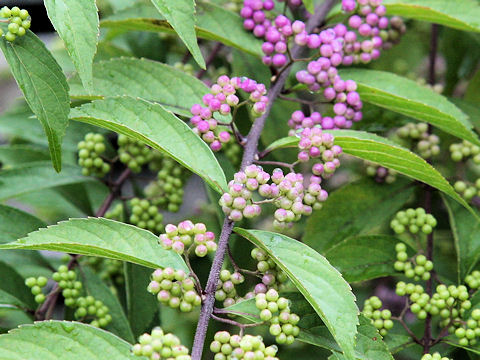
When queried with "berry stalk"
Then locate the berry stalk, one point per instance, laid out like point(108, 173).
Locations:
point(250, 154)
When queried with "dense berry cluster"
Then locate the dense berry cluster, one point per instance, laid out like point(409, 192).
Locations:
point(145, 215)
point(160, 346)
point(434, 356)
point(420, 300)
point(108, 269)
point(413, 220)
point(117, 213)
point(226, 291)
point(88, 308)
point(468, 191)
point(174, 289)
point(416, 268)
point(276, 310)
point(427, 144)
point(36, 285)
point(90, 151)
point(221, 99)
point(469, 331)
point(473, 280)
point(464, 150)
point(247, 347)
point(188, 236)
point(272, 276)
point(133, 153)
point(167, 191)
point(380, 173)
point(68, 283)
point(19, 22)
point(381, 319)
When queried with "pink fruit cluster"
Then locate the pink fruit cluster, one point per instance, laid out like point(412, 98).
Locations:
point(188, 235)
point(221, 99)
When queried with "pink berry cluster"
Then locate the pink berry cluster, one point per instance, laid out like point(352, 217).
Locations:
point(221, 99)
point(226, 291)
point(272, 276)
point(188, 235)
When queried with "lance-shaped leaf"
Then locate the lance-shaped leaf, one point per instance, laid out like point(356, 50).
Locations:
point(15, 224)
point(101, 237)
point(319, 282)
point(382, 151)
point(12, 155)
point(406, 97)
point(462, 15)
point(158, 128)
point(56, 339)
point(77, 24)
point(44, 85)
point(13, 290)
point(181, 15)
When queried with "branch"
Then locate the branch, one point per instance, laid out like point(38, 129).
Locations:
point(113, 192)
point(249, 155)
point(210, 59)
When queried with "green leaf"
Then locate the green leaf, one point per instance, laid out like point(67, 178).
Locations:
point(77, 24)
point(213, 23)
point(95, 287)
point(63, 339)
point(15, 224)
point(406, 97)
point(329, 294)
point(146, 79)
point(309, 5)
point(104, 238)
point(398, 342)
point(27, 263)
point(466, 233)
point(13, 290)
point(36, 176)
point(12, 155)
point(181, 15)
point(378, 256)
point(44, 85)
point(472, 91)
point(471, 109)
point(367, 204)
point(158, 128)
point(142, 306)
point(462, 15)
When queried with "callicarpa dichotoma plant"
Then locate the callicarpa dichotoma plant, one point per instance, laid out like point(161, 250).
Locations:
point(227, 180)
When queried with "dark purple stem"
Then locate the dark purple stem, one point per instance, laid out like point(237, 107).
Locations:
point(249, 155)
point(113, 193)
point(209, 61)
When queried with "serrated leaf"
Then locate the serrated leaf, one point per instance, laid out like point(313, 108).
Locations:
point(146, 79)
point(61, 339)
point(95, 287)
point(158, 128)
point(367, 204)
point(329, 294)
point(397, 342)
point(462, 15)
point(378, 256)
point(471, 109)
point(406, 97)
point(77, 24)
point(104, 238)
point(13, 290)
point(36, 176)
point(181, 15)
point(44, 86)
point(213, 23)
point(466, 233)
point(142, 306)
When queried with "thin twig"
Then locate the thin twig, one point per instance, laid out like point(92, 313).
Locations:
point(275, 163)
point(198, 284)
point(209, 60)
point(233, 312)
point(114, 189)
point(235, 323)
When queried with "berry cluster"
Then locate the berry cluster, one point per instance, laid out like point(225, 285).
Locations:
point(272, 276)
point(276, 310)
point(434, 356)
point(95, 310)
point(160, 346)
point(89, 155)
point(233, 151)
point(473, 279)
point(67, 281)
point(133, 153)
point(116, 213)
point(381, 319)
point(145, 215)
point(221, 99)
point(380, 173)
point(226, 291)
point(167, 191)
point(19, 22)
point(413, 220)
point(229, 347)
point(189, 236)
point(462, 151)
point(36, 285)
point(186, 68)
point(427, 144)
point(420, 300)
point(468, 332)
point(107, 269)
point(174, 289)
point(468, 191)
point(417, 268)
